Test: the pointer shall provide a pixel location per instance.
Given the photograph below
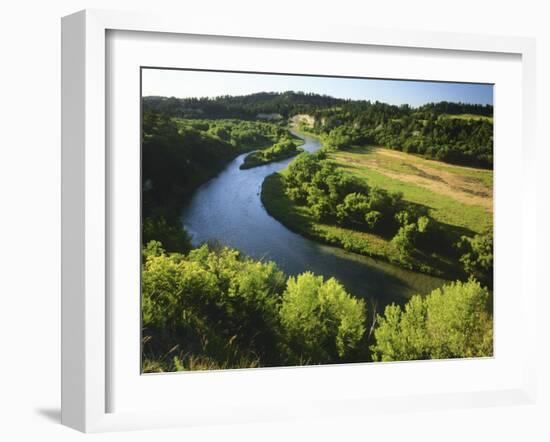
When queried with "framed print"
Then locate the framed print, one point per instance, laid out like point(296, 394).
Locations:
point(251, 214)
point(277, 232)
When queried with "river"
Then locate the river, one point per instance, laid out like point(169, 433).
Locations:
point(228, 209)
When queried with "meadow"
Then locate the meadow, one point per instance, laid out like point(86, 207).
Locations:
point(455, 195)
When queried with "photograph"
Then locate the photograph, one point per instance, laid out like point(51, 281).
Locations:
point(297, 220)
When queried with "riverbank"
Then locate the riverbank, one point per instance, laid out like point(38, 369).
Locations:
point(298, 219)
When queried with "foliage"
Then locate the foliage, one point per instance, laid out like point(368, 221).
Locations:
point(172, 235)
point(285, 148)
point(335, 197)
point(407, 237)
point(218, 309)
point(478, 256)
point(451, 322)
point(224, 304)
point(323, 323)
point(180, 155)
point(426, 131)
point(225, 308)
point(242, 107)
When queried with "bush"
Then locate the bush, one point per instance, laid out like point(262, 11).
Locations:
point(322, 322)
point(451, 322)
point(173, 236)
point(478, 257)
point(224, 304)
point(334, 196)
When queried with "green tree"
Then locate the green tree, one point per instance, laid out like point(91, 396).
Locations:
point(173, 236)
point(322, 322)
point(478, 256)
point(216, 303)
point(407, 237)
point(404, 240)
point(451, 322)
point(353, 210)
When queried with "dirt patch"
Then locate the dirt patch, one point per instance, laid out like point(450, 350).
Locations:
point(422, 173)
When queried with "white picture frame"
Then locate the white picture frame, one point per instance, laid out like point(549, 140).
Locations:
point(86, 315)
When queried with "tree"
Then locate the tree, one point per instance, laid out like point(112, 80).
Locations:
point(322, 322)
point(173, 236)
point(319, 204)
point(478, 257)
point(407, 236)
point(353, 210)
point(404, 239)
point(300, 173)
point(451, 322)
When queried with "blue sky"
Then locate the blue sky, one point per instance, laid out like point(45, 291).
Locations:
point(184, 84)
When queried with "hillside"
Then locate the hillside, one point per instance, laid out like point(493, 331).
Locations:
point(456, 133)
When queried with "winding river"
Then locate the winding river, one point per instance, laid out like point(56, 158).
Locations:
point(228, 209)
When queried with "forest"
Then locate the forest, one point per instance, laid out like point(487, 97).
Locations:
point(411, 186)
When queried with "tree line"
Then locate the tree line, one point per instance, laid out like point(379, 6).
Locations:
point(467, 142)
point(426, 130)
point(240, 107)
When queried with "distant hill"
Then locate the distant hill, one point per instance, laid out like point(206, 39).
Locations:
point(245, 106)
point(290, 103)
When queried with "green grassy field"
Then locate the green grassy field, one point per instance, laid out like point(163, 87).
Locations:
point(458, 198)
point(455, 195)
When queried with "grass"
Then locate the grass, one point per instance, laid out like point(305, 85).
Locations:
point(455, 195)
point(189, 362)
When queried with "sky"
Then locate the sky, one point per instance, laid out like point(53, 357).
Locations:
point(185, 84)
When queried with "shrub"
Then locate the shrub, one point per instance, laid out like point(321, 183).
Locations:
point(478, 257)
point(451, 322)
point(322, 322)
